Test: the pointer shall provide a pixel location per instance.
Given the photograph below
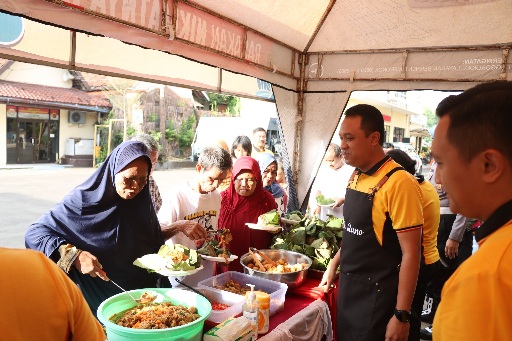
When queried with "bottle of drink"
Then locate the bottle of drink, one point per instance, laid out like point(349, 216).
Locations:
point(264, 311)
point(251, 310)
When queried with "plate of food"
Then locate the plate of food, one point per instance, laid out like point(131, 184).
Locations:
point(267, 221)
point(324, 202)
point(271, 228)
point(215, 249)
point(178, 273)
point(326, 205)
point(171, 260)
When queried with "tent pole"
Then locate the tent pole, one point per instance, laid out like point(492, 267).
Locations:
point(301, 88)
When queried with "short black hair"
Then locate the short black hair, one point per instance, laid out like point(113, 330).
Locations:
point(371, 119)
point(259, 129)
point(480, 119)
point(388, 145)
point(243, 141)
point(403, 160)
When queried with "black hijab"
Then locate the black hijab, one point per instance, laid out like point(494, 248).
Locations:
point(94, 218)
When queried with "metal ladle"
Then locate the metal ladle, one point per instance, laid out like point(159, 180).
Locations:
point(117, 285)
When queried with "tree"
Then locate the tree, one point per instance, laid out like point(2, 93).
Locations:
point(432, 119)
point(187, 131)
point(233, 103)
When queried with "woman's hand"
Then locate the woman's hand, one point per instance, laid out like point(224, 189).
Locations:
point(87, 263)
point(338, 202)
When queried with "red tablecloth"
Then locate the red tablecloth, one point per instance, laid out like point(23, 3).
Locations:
point(299, 298)
point(309, 289)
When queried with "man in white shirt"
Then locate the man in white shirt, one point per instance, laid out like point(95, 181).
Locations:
point(192, 209)
point(331, 181)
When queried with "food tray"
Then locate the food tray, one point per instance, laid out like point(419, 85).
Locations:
point(235, 302)
point(276, 290)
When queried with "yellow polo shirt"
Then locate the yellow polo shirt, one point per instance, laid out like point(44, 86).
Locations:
point(40, 302)
point(431, 217)
point(476, 302)
point(399, 198)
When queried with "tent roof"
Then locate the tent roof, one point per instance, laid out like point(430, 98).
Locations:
point(313, 53)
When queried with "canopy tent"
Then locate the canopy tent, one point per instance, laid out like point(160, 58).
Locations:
point(314, 53)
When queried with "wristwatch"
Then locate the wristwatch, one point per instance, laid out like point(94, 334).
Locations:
point(403, 315)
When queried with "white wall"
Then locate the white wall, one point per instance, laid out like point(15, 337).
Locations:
point(36, 74)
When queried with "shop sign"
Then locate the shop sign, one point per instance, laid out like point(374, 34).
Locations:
point(33, 113)
point(54, 114)
point(11, 111)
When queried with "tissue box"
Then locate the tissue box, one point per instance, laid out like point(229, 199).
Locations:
point(232, 329)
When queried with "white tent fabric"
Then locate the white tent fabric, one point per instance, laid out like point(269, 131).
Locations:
point(314, 53)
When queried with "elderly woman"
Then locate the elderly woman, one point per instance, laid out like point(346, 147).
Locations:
point(268, 166)
point(243, 202)
point(103, 225)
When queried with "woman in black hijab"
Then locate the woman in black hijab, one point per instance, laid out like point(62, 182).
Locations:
point(102, 226)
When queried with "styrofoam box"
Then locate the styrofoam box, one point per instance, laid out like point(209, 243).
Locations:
point(276, 290)
point(234, 301)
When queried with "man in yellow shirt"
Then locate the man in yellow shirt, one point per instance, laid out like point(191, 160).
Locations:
point(380, 254)
point(473, 149)
point(259, 142)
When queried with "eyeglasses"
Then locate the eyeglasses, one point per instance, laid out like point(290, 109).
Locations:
point(249, 181)
point(140, 182)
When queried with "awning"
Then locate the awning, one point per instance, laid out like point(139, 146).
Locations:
point(311, 54)
point(423, 132)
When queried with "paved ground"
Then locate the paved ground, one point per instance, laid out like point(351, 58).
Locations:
point(28, 193)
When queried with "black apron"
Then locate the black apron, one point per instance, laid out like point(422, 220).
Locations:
point(368, 283)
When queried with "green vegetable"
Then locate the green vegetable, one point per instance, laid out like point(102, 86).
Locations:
point(270, 218)
point(295, 216)
point(193, 261)
point(164, 259)
point(311, 229)
point(313, 237)
point(321, 200)
point(334, 222)
point(211, 248)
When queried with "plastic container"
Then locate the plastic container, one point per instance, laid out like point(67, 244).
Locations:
point(264, 311)
point(120, 302)
point(276, 290)
point(251, 310)
point(234, 301)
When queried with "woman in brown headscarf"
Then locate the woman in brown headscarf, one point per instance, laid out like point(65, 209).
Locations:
point(243, 202)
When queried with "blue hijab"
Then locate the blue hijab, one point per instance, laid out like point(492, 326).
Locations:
point(94, 218)
point(265, 160)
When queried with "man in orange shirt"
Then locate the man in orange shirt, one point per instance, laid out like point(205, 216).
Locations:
point(40, 302)
point(473, 149)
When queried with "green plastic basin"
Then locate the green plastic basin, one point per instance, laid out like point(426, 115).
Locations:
point(121, 302)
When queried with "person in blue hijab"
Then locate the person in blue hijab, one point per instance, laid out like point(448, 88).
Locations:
point(99, 228)
point(268, 167)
